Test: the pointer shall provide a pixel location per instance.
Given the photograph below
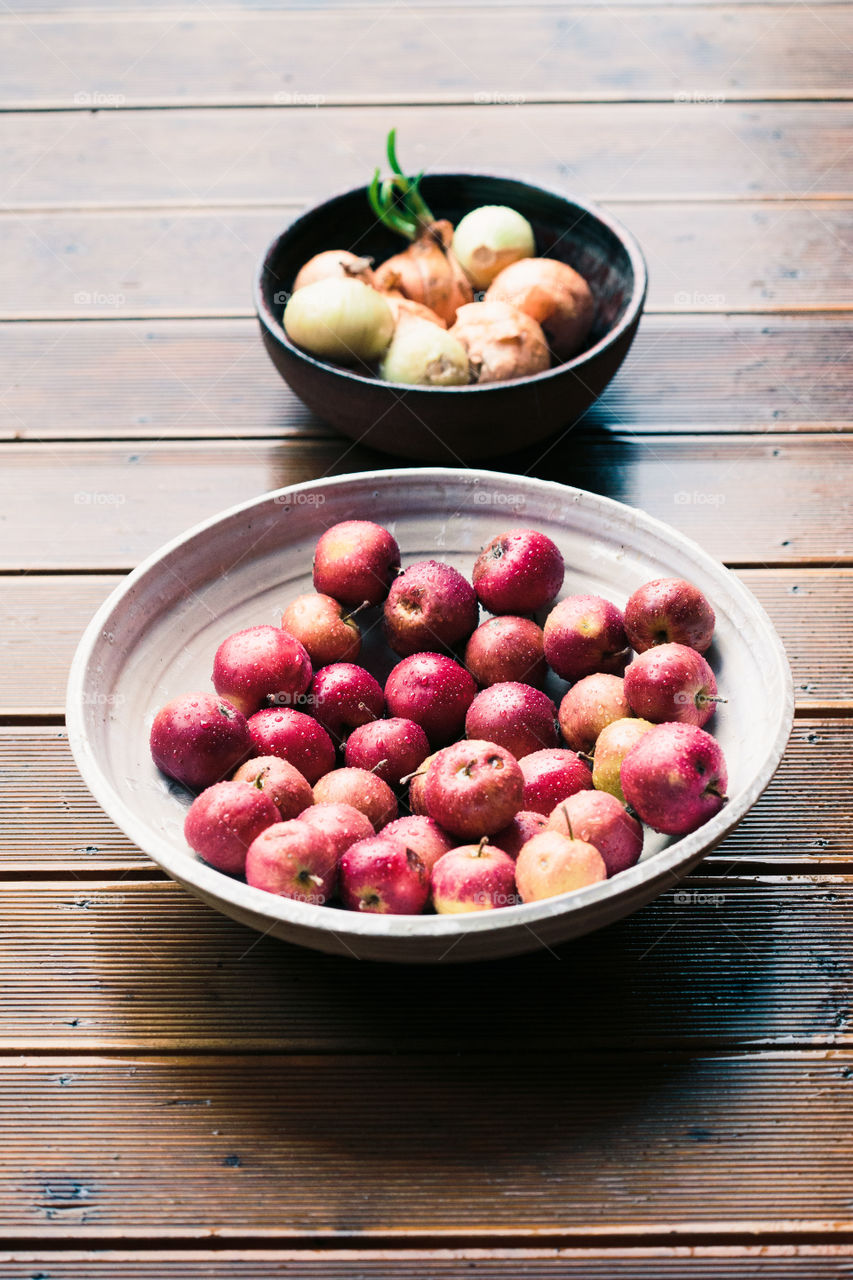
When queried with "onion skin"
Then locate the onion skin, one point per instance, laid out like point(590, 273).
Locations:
point(334, 264)
point(555, 295)
point(502, 342)
point(425, 355)
point(401, 307)
point(428, 273)
point(339, 319)
point(490, 238)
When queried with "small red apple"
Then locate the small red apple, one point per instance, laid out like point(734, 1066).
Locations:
point(519, 571)
point(515, 716)
point(199, 739)
point(417, 783)
point(551, 776)
point(261, 665)
point(584, 634)
point(392, 749)
point(293, 860)
point(343, 696)
point(432, 690)
point(429, 606)
point(552, 863)
point(363, 790)
point(474, 877)
point(289, 791)
point(355, 562)
point(340, 824)
point(381, 875)
point(429, 841)
point(325, 627)
point(675, 777)
point(515, 834)
point(224, 820)
point(507, 648)
point(296, 737)
point(669, 611)
point(589, 706)
point(473, 788)
point(671, 682)
point(598, 818)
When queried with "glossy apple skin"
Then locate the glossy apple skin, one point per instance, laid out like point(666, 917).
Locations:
point(260, 665)
point(515, 834)
point(519, 571)
point(585, 634)
point(289, 791)
point(417, 800)
point(613, 744)
point(199, 739)
point(293, 860)
point(355, 562)
point(432, 690)
point(675, 778)
point(323, 626)
point(551, 864)
point(380, 875)
point(600, 820)
point(507, 648)
point(344, 696)
point(363, 790)
point(551, 776)
point(223, 821)
point(429, 841)
point(473, 878)
point(296, 737)
point(515, 716)
point(392, 749)
point(669, 611)
point(340, 824)
point(589, 706)
point(429, 606)
point(473, 788)
point(671, 682)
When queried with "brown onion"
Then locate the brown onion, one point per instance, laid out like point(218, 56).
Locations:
point(401, 307)
point(554, 294)
point(502, 342)
point(334, 264)
point(428, 273)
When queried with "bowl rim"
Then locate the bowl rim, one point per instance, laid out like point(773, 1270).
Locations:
point(190, 871)
point(630, 318)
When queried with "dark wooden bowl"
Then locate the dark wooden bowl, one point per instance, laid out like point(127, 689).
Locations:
point(459, 424)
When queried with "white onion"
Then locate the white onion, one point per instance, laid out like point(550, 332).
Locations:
point(422, 354)
point(339, 319)
point(490, 238)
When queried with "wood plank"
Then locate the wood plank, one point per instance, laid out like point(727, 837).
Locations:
point(566, 1146)
point(138, 967)
point(186, 378)
point(685, 151)
point(60, 830)
point(678, 1262)
point(42, 617)
point(709, 257)
point(521, 54)
point(104, 506)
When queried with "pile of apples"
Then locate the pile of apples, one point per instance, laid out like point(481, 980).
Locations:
point(509, 798)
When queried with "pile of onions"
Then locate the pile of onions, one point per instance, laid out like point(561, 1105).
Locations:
point(428, 273)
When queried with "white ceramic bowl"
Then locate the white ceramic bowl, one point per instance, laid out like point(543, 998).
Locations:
point(156, 634)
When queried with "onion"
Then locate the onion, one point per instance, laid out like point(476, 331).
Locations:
point(427, 272)
point(489, 239)
point(336, 264)
point(339, 320)
point(422, 354)
point(401, 306)
point(552, 293)
point(502, 342)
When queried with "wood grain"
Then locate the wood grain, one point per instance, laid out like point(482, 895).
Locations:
point(60, 830)
point(134, 967)
point(211, 378)
point(404, 54)
point(322, 1147)
point(689, 150)
point(102, 507)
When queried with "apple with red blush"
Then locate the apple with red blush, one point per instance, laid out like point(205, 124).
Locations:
point(473, 788)
point(515, 716)
point(363, 790)
point(289, 791)
point(473, 877)
point(507, 648)
point(611, 747)
point(417, 783)
point(599, 819)
point(339, 824)
point(675, 778)
point(584, 634)
point(344, 696)
point(293, 860)
point(519, 571)
point(199, 739)
point(222, 822)
point(392, 749)
point(261, 665)
point(327, 629)
point(429, 606)
point(550, 776)
point(669, 611)
point(671, 682)
point(295, 737)
point(552, 863)
point(589, 706)
point(355, 562)
point(434, 691)
point(424, 835)
point(382, 875)
point(524, 826)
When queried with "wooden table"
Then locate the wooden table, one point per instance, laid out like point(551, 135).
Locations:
point(672, 1096)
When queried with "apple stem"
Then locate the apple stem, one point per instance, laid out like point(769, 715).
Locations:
point(710, 697)
point(379, 765)
point(484, 840)
point(358, 608)
point(363, 707)
point(418, 773)
point(568, 822)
